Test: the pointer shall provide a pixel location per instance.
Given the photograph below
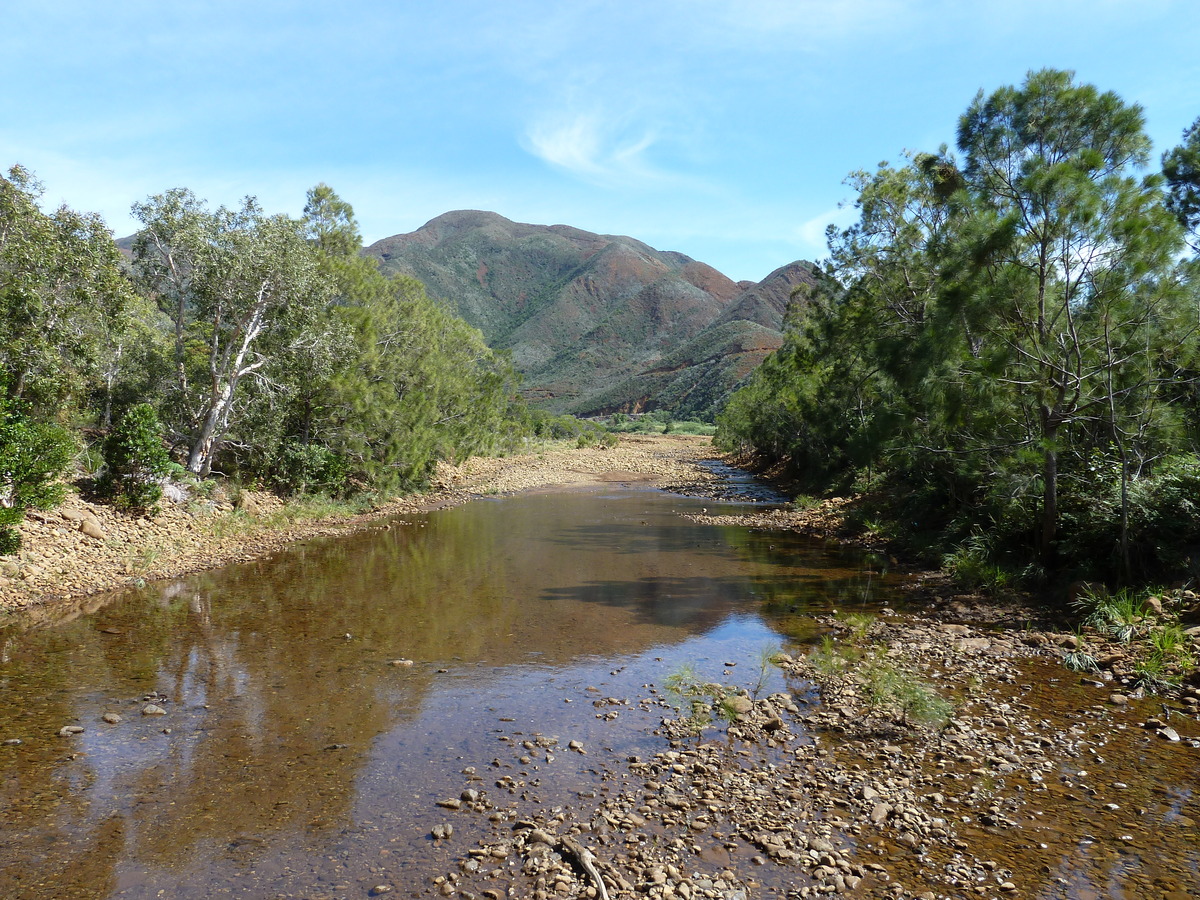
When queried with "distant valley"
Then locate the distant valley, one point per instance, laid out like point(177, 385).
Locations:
point(598, 323)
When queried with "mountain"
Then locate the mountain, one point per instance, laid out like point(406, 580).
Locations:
point(597, 323)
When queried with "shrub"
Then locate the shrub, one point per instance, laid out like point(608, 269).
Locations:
point(309, 469)
point(32, 457)
point(135, 459)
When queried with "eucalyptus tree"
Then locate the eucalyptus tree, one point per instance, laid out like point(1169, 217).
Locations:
point(1073, 248)
point(242, 290)
point(63, 298)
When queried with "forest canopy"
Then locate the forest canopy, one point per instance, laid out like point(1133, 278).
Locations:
point(261, 346)
point(1005, 343)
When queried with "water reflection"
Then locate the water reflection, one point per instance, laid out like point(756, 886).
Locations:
point(291, 752)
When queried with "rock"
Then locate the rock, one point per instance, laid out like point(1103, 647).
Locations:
point(576, 746)
point(247, 504)
point(442, 832)
point(151, 709)
point(74, 516)
point(972, 645)
point(401, 662)
point(111, 718)
point(1168, 733)
point(1069, 642)
point(1118, 699)
point(450, 804)
point(91, 527)
point(68, 730)
point(381, 889)
point(879, 813)
point(739, 704)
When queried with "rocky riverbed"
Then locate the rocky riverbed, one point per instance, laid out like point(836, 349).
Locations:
point(83, 549)
point(848, 787)
point(937, 749)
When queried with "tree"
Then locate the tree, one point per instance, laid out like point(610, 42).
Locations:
point(242, 290)
point(1181, 168)
point(424, 387)
point(135, 459)
point(1071, 249)
point(33, 455)
point(63, 296)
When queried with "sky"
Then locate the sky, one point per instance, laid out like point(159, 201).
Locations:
point(723, 130)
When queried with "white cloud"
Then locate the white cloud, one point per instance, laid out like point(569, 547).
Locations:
point(598, 150)
point(811, 234)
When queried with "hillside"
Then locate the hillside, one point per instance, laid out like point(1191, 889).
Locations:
point(597, 323)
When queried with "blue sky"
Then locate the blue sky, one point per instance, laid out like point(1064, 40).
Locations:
point(719, 129)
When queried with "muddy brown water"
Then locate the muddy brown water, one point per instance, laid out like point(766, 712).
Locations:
point(294, 758)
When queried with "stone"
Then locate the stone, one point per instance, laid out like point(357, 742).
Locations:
point(111, 718)
point(401, 663)
point(68, 730)
point(91, 527)
point(739, 704)
point(151, 709)
point(247, 504)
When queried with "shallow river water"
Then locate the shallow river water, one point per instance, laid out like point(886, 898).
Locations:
point(299, 755)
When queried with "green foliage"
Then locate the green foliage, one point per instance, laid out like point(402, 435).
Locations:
point(971, 566)
point(63, 300)
point(999, 342)
point(857, 624)
point(310, 469)
point(912, 700)
point(1171, 644)
point(686, 692)
point(33, 456)
point(1122, 615)
point(828, 659)
point(135, 459)
point(1181, 169)
point(244, 292)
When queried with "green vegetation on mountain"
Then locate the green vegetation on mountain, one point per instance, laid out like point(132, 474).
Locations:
point(597, 323)
point(1004, 345)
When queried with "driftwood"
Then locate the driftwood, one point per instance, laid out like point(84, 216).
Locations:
point(586, 860)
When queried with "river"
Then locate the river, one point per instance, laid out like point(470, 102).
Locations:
point(288, 728)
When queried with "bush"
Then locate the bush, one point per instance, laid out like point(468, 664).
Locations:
point(310, 469)
point(135, 459)
point(32, 457)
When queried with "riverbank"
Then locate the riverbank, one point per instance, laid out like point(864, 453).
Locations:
point(919, 742)
point(72, 555)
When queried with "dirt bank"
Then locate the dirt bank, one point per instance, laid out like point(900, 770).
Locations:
point(83, 549)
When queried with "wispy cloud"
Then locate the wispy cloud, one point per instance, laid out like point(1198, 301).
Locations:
point(600, 150)
point(811, 233)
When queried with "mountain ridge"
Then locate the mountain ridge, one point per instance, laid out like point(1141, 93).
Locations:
point(597, 323)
